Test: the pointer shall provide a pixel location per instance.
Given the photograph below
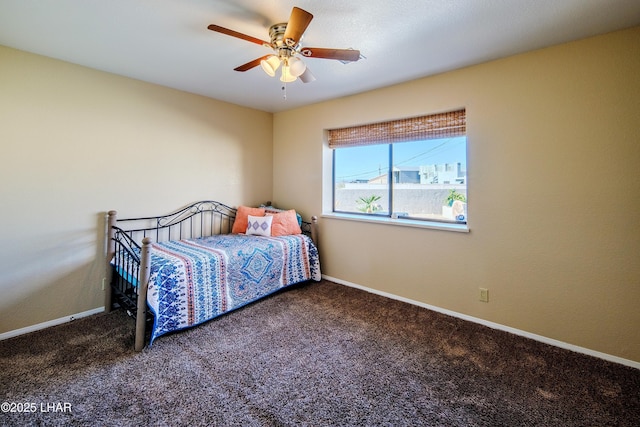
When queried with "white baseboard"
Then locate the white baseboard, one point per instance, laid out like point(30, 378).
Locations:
point(39, 326)
point(493, 325)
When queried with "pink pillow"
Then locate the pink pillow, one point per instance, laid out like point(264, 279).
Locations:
point(242, 216)
point(285, 223)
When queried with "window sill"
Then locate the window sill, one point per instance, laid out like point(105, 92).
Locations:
point(459, 228)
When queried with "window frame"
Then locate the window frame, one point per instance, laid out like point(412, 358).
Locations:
point(388, 137)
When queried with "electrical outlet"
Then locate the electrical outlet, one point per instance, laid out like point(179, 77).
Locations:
point(104, 279)
point(484, 295)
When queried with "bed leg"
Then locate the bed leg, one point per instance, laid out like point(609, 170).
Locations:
point(111, 250)
point(143, 284)
point(314, 230)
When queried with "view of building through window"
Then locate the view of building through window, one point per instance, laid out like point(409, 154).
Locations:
point(418, 180)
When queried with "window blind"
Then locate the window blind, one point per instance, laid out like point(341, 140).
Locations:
point(433, 126)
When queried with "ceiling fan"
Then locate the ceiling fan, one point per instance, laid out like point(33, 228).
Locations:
point(285, 42)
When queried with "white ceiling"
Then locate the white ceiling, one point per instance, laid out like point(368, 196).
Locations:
point(167, 41)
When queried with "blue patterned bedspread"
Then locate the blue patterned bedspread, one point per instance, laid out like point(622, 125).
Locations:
point(192, 281)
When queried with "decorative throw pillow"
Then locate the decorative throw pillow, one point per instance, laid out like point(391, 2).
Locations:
point(240, 223)
point(259, 225)
point(284, 223)
point(274, 210)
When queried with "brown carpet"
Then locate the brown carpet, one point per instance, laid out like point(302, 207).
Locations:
point(320, 354)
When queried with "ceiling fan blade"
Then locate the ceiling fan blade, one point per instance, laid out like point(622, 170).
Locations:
point(252, 64)
point(339, 54)
point(232, 33)
point(298, 23)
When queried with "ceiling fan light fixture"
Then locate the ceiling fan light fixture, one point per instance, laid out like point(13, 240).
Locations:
point(270, 65)
point(296, 66)
point(286, 76)
point(307, 76)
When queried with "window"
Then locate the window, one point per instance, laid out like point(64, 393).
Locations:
point(408, 169)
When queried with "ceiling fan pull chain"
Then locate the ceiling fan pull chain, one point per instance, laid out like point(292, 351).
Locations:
point(284, 91)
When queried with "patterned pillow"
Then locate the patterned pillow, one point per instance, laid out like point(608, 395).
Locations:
point(259, 225)
point(240, 223)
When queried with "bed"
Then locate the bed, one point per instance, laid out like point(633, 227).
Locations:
point(179, 270)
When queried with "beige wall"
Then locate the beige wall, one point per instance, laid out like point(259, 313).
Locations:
point(554, 194)
point(75, 143)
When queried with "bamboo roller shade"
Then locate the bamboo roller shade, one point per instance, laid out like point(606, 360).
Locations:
point(434, 126)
